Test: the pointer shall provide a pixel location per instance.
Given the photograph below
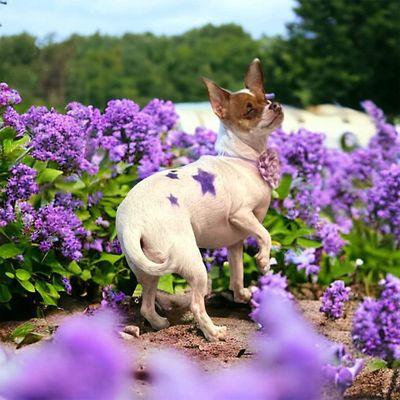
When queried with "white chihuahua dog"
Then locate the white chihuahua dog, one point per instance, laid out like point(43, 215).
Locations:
point(214, 202)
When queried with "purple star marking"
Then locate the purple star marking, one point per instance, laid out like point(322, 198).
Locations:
point(206, 181)
point(172, 175)
point(173, 200)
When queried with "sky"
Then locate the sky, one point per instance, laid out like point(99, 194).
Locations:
point(63, 17)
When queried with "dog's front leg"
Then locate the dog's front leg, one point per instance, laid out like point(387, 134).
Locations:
point(235, 259)
point(248, 222)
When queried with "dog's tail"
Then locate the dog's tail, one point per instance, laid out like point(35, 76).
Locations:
point(132, 247)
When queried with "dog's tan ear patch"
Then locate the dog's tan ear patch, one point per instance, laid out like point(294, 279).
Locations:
point(219, 97)
point(254, 78)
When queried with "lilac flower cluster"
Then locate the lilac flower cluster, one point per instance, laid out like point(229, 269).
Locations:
point(84, 361)
point(21, 185)
point(215, 257)
point(304, 157)
point(376, 323)
point(304, 260)
point(111, 298)
point(55, 227)
point(8, 96)
point(191, 147)
point(334, 299)
point(13, 120)
point(384, 202)
point(133, 135)
point(270, 281)
point(58, 138)
point(163, 112)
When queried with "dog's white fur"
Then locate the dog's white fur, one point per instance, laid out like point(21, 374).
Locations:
point(158, 237)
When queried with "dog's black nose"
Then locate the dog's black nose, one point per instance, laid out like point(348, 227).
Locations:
point(275, 107)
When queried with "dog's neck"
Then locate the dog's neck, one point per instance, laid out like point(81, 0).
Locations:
point(228, 144)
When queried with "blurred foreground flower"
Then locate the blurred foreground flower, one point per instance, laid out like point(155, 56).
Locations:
point(85, 361)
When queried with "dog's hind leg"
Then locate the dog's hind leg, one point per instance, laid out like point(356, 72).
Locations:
point(149, 289)
point(195, 274)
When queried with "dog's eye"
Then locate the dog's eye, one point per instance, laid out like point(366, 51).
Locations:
point(249, 108)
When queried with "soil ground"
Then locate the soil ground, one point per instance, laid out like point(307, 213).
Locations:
point(184, 336)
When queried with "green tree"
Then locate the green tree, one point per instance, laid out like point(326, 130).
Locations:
point(341, 51)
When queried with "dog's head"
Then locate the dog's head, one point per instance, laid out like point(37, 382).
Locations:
point(247, 113)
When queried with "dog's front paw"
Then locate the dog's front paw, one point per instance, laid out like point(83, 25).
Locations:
point(215, 334)
point(263, 262)
point(242, 295)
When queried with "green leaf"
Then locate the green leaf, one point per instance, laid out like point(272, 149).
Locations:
point(22, 330)
point(110, 211)
point(27, 286)
point(303, 242)
point(10, 275)
point(22, 274)
point(5, 295)
point(43, 290)
point(86, 275)
point(74, 268)
point(138, 290)
point(110, 258)
point(284, 187)
point(30, 338)
point(73, 187)
point(166, 283)
point(376, 364)
point(9, 250)
point(48, 175)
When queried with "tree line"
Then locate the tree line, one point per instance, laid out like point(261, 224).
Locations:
point(336, 51)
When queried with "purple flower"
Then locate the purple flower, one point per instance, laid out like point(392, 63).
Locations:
point(67, 200)
point(56, 227)
point(94, 199)
point(21, 184)
point(12, 119)
point(191, 147)
point(383, 202)
point(58, 138)
point(279, 370)
point(216, 257)
point(113, 247)
point(376, 323)
point(8, 96)
point(329, 233)
point(67, 285)
point(270, 281)
point(163, 112)
point(343, 369)
point(334, 298)
point(304, 260)
point(84, 361)
point(111, 298)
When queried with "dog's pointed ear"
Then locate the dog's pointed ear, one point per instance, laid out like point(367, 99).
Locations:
point(254, 78)
point(218, 96)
